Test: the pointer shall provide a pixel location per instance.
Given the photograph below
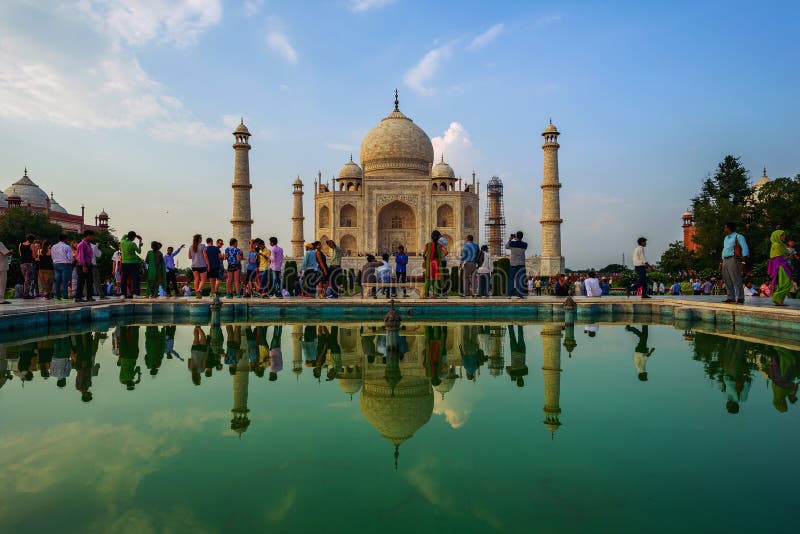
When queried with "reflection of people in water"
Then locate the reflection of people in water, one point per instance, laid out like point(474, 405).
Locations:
point(782, 371)
point(435, 354)
point(735, 377)
point(169, 342)
point(518, 368)
point(641, 353)
point(61, 366)
point(252, 349)
point(155, 346)
point(233, 347)
point(85, 349)
point(198, 353)
point(44, 356)
point(130, 374)
point(336, 353)
point(26, 363)
point(472, 356)
point(275, 353)
point(309, 343)
point(214, 350)
point(368, 343)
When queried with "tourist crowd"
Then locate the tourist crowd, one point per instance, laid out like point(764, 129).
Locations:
point(65, 270)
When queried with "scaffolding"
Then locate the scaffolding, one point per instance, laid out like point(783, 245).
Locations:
point(495, 216)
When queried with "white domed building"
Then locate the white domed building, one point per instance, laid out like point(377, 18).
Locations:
point(397, 196)
point(24, 193)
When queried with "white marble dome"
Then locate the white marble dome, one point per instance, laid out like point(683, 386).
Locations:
point(396, 144)
point(30, 193)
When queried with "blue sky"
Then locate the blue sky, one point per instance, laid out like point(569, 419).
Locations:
point(128, 105)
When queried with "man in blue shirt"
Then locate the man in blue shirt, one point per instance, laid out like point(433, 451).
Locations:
point(469, 266)
point(400, 262)
point(731, 264)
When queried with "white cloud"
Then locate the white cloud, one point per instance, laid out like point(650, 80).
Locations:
point(457, 148)
point(279, 42)
point(358, 6)
point(253, 7)
point(486, 37)
point(100, 84)
point(417, 77)
point(283, 87)
point(139, 22)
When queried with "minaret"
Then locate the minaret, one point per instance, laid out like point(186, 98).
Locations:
point(495, 219)
point(551, 348)
point(297, 219)
point(242, 222)
point(552, 262)
point(241, 380)
point(496, 360)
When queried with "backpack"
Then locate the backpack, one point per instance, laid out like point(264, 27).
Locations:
point(480, 257)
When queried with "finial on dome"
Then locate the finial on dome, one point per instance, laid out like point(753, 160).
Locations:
point(396, 101)
point(551, 120)
point(351, 158)
point(241, 121)
point(442, 157)
point(26, 171)
point(765, 170)
point(396, 455)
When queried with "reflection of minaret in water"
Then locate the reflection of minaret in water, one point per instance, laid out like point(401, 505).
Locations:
point(569, 332)
point(241, 380)
point(551, 348)
point(297, 350)
point(496, 363)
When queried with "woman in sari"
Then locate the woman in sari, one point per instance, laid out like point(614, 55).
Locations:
point(156, 270)
point(778, 268)
point(432, 260)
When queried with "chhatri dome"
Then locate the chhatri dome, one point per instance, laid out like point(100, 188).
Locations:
point(30, 193)
point(396, 143)
point(351, 171)
point(55, 206)
point(241, 128)
point(443, 171)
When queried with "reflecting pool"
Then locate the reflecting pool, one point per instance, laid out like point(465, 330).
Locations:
point(397, 427)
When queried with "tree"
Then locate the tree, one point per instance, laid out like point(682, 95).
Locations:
point(776, 207)
point(612, 268)
point(724, 197)
point(16, 223)
point(677, 259)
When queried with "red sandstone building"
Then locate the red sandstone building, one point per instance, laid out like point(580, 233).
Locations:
point(26, 194)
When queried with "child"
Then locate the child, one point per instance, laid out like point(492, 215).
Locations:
point(187, 291)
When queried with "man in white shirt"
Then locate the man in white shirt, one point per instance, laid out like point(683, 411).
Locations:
point(4, 255)
point(592, 285)
point(641, 266)
point(62, 256)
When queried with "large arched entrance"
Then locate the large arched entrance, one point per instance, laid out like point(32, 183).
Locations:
point(397, 225)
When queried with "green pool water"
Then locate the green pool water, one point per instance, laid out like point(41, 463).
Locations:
point(452, 428)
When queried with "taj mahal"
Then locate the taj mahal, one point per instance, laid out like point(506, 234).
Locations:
point(397, 196)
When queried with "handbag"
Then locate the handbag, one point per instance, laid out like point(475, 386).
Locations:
point(737, 248)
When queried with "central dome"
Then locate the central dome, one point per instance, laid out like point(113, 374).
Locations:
point(396, 144)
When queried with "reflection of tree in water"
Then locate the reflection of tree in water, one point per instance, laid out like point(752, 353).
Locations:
point(732, 363)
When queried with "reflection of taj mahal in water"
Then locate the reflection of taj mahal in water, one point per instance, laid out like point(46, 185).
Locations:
point(398, 371)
